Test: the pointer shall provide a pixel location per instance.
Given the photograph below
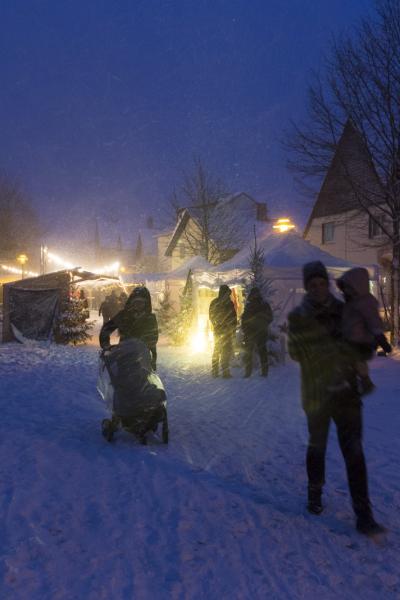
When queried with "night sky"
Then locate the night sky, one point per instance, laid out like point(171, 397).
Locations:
point(103, 104)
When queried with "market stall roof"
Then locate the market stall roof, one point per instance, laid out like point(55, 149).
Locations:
point(284, 256)
point(281, 251)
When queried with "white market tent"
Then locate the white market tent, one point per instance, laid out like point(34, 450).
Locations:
point(284, 257)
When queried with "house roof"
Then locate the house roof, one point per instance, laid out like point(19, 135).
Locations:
point(237, 212)
point(338, 191)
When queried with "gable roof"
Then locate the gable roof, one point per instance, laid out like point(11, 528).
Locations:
point(337, 194)
point(239, 218)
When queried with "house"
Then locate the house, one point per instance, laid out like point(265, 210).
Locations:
point(337, 223)
point(216, 231)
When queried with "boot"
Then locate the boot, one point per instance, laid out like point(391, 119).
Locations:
point(264, 371)
point(247, 373)
point(366, 525)
point(314, 504)
point(226, 374)
point(214, 371)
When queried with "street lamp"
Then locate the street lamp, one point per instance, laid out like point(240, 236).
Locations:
point(22, 259)
point(283, 225)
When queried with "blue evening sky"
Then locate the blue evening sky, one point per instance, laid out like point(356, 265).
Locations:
point(103, 104)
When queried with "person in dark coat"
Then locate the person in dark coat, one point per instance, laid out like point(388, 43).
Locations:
point(361, 323)
point(315, 341)
point(114, 305)
point(135, 320)
point(85, 303)
point(105, 309)
point(256, 318)
point(223, 319)
point(123, 297)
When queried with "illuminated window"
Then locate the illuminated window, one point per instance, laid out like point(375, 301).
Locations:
point(328, 232)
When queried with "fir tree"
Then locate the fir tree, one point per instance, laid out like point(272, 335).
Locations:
point(72, 326)
point(183, 321)
point(256, 278)
point(166, 315)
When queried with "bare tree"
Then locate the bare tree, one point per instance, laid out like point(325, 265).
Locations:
point(19, 224)
point(360, 86)
point(210, 230)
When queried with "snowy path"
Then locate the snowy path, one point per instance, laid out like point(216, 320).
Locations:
point(217, 514)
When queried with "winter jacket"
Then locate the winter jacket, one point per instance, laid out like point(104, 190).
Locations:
point(361, 322)
point(256, 318)
point(105, 310)
point(315, 341)
point(222, 315)
point(143, 327)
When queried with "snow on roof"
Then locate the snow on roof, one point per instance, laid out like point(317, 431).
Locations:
point(283, 251)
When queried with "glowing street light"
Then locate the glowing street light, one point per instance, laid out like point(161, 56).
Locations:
point(283, 225)
point(22, 259)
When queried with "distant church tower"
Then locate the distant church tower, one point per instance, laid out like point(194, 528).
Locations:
point(97, 249)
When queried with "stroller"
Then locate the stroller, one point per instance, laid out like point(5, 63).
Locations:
point(132, 391)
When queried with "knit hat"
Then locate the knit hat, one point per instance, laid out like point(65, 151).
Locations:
point(312, 270)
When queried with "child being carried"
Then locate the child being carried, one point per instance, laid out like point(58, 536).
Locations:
point(362, 325)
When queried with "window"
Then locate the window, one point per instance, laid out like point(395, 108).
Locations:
point(375, 226)
point(328, 232)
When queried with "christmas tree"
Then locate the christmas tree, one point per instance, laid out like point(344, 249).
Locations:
point(72, 325)
point(256, 278)
point(183, 321)
point(166, 315)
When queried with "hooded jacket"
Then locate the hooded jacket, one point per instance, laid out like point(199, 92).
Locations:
point(257, 315)
point(143, 327)
point(361, 321)
point(222, 313)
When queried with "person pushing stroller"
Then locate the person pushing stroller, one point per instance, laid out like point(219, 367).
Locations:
point(132, 389)
point(135, 320)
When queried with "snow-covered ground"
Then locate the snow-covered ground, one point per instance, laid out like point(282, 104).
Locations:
point(219, 513)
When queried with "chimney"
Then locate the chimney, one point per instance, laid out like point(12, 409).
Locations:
point(262, 211)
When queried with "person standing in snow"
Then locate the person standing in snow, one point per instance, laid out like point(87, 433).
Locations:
point(135, 320)
point(223, 319)
point(315, 341)
point(104, 309)
point(123, 297)
point(85, 303)
point(361, 323)
point(114, 305)
point(256, 318)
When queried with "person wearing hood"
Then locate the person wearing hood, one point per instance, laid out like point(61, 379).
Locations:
point(135, 320)
point(223, 319)
point(256, 318)
point(315, 341)
point(361, 323)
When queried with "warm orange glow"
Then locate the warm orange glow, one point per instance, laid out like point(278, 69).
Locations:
point(283, 225)
point(22, 259)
